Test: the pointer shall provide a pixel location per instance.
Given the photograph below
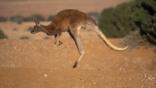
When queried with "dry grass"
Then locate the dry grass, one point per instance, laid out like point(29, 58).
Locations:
point(135, 40)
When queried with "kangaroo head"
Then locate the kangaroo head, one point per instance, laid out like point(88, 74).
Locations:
point(37, 28)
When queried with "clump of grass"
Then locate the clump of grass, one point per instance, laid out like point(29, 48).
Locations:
point(3, 35)
point(135, 40)
point(24, 38)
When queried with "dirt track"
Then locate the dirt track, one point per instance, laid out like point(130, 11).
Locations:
point(38, 63)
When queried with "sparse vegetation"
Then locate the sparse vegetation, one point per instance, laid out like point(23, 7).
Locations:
point(3, 19)
point(135, 40)
point(50, 18)
point(3, 35)
point(38, 17)
point(28, 19)
point(18, 19)
point(32, 17)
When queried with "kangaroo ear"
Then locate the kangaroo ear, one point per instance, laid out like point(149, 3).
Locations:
point(37, 22)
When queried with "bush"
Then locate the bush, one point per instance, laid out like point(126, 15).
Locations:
point(18, 19)
point(145, 19)
point(34, 17)
point(3, 19)
point(2, 35)
point(50, 18)
point(38, 17)
point(115, 22)
point(106, 23)
point(135, 15)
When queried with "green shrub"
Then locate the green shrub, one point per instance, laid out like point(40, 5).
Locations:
point(145, 18)
point(105, 22)
point(135, 15)
point(115, 22)
point(2, 35)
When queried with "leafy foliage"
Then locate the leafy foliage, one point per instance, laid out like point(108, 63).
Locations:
point(135, 15)
point(2, 35)
point(115, 22)
point(146, 18)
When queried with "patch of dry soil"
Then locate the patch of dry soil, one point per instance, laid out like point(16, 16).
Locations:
point(38, 63)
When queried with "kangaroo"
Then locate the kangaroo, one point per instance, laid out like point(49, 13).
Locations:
point(72, 21)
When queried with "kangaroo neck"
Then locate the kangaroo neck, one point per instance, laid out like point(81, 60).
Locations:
point(46, 29)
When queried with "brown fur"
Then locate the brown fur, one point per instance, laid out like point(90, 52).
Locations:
point(71, 21)
point(67, 20)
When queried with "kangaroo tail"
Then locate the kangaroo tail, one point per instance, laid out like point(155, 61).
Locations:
point(99, 32)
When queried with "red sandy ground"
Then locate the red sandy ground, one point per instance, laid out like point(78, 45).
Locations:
point(38, 63)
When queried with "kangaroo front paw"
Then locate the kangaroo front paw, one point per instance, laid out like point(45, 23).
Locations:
point(58, 43)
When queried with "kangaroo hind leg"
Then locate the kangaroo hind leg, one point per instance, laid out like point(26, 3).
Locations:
point(76, 38)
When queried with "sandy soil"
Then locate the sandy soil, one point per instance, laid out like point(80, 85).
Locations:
point(50, 7)
point(37, 63)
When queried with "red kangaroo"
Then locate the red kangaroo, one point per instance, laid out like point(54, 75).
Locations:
point(72, 21)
